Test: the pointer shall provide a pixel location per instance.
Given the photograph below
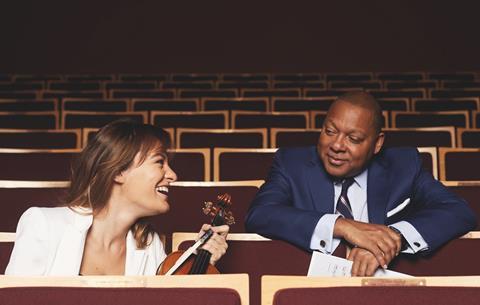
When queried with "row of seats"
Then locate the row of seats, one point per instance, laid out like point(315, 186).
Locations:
point(189, 77)
point(236, 289)
point(188, 197)
point(224, 164)
point(292, 261)
point(227, 119)
point(275, 104)
point(297, 91)
point(242, 138)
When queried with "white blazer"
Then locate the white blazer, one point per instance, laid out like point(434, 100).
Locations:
point(50, 241)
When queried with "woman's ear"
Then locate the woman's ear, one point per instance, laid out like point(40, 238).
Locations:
point(120, 178)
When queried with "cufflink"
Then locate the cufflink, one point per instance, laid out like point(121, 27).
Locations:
point(322, 243)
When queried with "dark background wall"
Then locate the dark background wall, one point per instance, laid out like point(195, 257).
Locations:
point(110, 36)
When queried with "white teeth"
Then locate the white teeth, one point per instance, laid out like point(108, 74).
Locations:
point(162, 189)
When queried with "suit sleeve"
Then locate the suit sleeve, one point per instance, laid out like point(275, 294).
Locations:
point(441, 215)
point(272, 213)
point(30, 252)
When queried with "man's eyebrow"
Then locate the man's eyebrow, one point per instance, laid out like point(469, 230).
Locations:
point(329, 121)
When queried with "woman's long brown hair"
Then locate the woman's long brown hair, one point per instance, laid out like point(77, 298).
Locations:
point(111, 151)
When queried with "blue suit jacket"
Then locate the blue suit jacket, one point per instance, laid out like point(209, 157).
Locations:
point(298, 191)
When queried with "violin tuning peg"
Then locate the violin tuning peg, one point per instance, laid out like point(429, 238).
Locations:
point(207, 207)
point(229, 220)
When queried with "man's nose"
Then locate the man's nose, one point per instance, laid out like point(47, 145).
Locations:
point(338, 143)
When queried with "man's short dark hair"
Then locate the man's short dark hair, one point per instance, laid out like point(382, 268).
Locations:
point(365, 100)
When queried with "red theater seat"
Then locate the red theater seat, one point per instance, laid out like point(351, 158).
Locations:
point(459, 164)
point(420, 137)
point(36, 164)
point(119, 290)
point(241, 163)
point(40, 139)
point(18, 196)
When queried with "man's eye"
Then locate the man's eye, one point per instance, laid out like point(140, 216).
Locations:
point(161, 161)
point(355, 140)
point(329, 131)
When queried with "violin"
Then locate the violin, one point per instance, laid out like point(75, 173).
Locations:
point(185, 262)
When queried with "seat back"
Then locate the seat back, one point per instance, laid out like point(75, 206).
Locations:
point(18, 196)
point(241, 163)
point(457, 258)
point(459, 164)
point(210, 138)
point(29, 120)
point(199, 119)
point(420, 137)
point(402, 119)
point(90, 119)
point(190, 164)
point(281, 290)
point(228, 289)
point(429, 160)
point(7, 240)
point(40, 139)
point(188, 198)
point(468, 138)
point(37, 164)
point(468, 190)
point(291, 137)
point(250, 119)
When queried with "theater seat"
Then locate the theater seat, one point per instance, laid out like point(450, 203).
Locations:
point(258, 256)
point(459, 164)
point(18, 196)
point(228, 289)
point(37, 164)
point(6, 245)
point(241, 163)
point(300, 290)
point(188, 198)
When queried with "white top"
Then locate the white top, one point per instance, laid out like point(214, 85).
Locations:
point(50, 241)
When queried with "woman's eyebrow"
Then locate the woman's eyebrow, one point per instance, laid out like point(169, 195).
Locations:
point(159, 154)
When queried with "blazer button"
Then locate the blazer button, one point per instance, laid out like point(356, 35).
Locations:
point(322, 243)
point(416, 244)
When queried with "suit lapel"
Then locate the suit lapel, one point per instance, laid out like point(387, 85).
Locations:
point(377, 192)
point(320, 185)
point(68, 257)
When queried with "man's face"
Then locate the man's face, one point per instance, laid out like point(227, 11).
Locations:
point(348, 140)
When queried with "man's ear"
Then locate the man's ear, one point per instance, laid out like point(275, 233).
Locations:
point(379, 142)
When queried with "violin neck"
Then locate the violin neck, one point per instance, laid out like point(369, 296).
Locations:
point(201, 262)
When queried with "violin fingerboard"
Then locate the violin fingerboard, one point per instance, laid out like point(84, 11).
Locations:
point(201, 262)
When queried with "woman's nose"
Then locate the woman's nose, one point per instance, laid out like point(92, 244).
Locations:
point(171, 175)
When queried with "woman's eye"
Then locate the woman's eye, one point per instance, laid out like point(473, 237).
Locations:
point(161, 161)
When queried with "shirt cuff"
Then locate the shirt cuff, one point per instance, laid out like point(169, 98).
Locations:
point(322, 238)
point(415, 241)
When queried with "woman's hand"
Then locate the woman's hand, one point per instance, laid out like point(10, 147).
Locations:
point(217, 243)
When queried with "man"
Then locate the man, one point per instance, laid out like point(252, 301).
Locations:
point(348, 188)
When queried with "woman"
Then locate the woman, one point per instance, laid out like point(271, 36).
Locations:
point(120, 177)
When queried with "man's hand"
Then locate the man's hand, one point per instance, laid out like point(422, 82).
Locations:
point(364, 262)
point(380, 240)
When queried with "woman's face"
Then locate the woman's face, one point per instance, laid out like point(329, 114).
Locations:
point(145, 185)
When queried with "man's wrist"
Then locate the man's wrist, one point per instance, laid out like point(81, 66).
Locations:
point(404, 245)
